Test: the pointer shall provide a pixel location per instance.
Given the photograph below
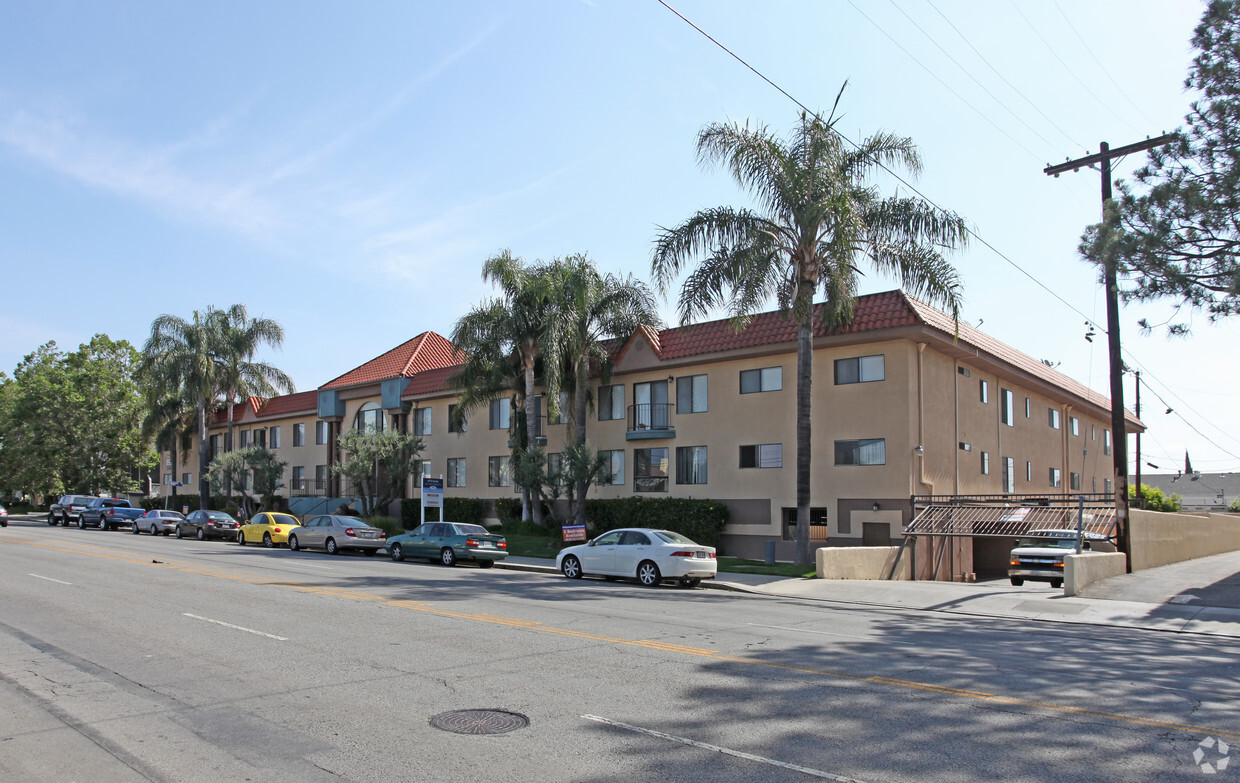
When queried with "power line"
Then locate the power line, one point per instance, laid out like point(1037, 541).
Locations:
point(934, 204)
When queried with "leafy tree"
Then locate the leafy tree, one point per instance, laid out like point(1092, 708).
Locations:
point(1154, 499)
point(257, 463)
point(377, 465)
point(818, 216)
point(1234, 506)
point(1177, 234)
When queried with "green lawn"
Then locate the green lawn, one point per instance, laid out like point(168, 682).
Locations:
point(526, 545)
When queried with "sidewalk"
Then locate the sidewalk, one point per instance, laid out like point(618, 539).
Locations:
point(1198, 596)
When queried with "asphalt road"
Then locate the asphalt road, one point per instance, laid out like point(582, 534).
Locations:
point(131, 658)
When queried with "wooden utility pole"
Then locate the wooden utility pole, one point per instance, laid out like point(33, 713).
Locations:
point(1119, 429)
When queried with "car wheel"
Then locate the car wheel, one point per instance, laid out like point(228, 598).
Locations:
point(396, 552)
point(179, 533)
point(648, 574)
point(267, 542)
point(292, 544)
point(330, 546)
point(1056, 583)
point(447, 556)
point(104, 526)
point(486, 563)
point(202, 534)
point(689, 582)
point(571, 567)
point(81, 524)
point(240, 538)
point(51, 520)
point(1017, 581)
point(136, 529)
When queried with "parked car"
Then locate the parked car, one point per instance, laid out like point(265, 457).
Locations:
point(108, 514)
point(336, 534)
point(449, 543)
point(208, 524)
point(67, 509)
point(157, 521)
point(4, 517)
point(1038, 555)
point(650, 556)
point(270, 527)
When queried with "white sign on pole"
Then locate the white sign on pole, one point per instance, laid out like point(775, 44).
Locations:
point(432, 496)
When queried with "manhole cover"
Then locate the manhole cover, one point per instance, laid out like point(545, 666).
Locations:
point(479, 721)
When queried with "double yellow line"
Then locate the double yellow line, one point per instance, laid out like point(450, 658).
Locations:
point(649, 644)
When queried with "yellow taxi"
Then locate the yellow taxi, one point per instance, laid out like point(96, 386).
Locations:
point(270, 528)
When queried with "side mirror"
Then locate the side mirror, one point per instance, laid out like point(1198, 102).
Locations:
point(592, 542)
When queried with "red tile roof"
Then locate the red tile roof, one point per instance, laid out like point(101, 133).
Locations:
point(430, 381)
point(239, 409)
point(302, 402)
point(427, 351)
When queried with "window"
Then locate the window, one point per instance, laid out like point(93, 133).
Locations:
point(650, 406)
point(1093, 432)
point(452, 426)
point(421, 468)
point(500, 410)
point(1106, 442)
point(966, 446)
point(422, 421)
point(690, 464)
point(369, 418)
point(245, 439)
point(320, 433)
point(1074, 425)
point(862, 369)
point(963, 371)
point(1093, 484)
point(456, 472)
point(1106, 485)
point(985, 463)
point(1052, 418)
point(560, 415)
point(320, 477)
point(764, 380)
point(299, 434)
point(216, 444)
point(260, 438)
point(613, 472)
point(499, 471)
point(983, 389)
point(763, 455)
point(273, 437)
point(1007, 407)
point(610, 402)
point(1009, 474)
point(861, 452)
point(1028, 471)
point(1074, 482)
point(1056, 479)
point(299, 477)
point(555, 468)
point(187, 479)
point(247, 481)
point(169, 478)
point(650, 470)
point(691, 394)
point(1028, 409)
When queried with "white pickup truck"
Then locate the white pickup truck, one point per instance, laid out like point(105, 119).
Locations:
point(1039, 554)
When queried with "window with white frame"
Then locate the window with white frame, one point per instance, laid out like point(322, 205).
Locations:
point(320, 433)
point(499, 417)
point(613, 467)
point(1074, 425)
point(421, 421)
point(1106, 485)
point(1056, 477)
point(187, 479)
point(870, 451)
point(456, 472)
point(369, 418)
point(1106, 442)
point(244, 439)
point(690, 464)
point(1028, 408)
point(611, 402)
point(1028, 471)
point(650, 470)
point(691, 394)
point(1007, 407)
point(763, 380)
point(1052, 418)
point(1074, 482)
point(299, 434)
point(1009, 474)
point(763, 455)
point(983, 391)
point(860, 369)
point(299, 478)
point(985, 463)
point(499, 471)
point(273, 437)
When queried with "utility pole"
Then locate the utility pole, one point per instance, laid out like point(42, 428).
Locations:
point(1119, 430)
point(1137, 407)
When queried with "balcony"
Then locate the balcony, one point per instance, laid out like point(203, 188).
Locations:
point(650, 420)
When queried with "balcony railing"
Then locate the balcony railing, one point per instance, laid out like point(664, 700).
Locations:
point(650, 419)
point(309, 487)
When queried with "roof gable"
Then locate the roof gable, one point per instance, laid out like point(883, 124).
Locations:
point(427, 351)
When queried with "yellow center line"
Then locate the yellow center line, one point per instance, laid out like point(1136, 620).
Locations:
point(531, 625)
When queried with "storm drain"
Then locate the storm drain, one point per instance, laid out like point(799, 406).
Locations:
point(479, 721)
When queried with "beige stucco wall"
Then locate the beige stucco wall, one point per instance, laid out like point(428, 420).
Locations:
point(1081, 571)
point(862, 562)
point(1159, 538)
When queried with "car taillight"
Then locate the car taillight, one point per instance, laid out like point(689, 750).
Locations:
point(1014, 562)
point(711, 555)
point(382, 534)
point(349, 532)
point(111, 512)
point(276, 530)
point(502, 545)
point(681, 553)
point(471, 542)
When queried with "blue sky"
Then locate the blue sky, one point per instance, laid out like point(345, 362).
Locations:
point(346, 168)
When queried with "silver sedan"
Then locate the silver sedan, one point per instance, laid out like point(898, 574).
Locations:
point(157, 522)
point(336, 534)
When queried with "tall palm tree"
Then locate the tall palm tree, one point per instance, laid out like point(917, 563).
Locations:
point(516, 326)
point(180, 359)
point(592, 308)
point(240, 377)
point(169, 424)
point(818, 217)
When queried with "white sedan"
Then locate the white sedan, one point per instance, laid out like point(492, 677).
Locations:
point(650, 556)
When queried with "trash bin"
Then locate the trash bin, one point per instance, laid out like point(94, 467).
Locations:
point(770, 553)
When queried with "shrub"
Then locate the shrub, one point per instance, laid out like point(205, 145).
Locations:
point(390, 525)
point(471, 510)
point(1154, 499)
point(700, 520)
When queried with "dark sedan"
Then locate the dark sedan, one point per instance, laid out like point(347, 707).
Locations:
point(208, 524)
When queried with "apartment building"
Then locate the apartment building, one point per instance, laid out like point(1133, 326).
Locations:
point(904, 403)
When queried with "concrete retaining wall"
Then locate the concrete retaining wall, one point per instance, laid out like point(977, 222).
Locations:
point(1159, 538)
point(862, 562)
point(1081, 571)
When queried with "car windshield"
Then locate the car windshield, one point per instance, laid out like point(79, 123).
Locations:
point(79, 501)
point(471, 530)
point(1052, 543)
point(353, 522)
point(284, 519)
point(218, 515)
point(673, 537)
point(172, 515)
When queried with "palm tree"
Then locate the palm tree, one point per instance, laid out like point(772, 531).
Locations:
point(818, 217)
point(592, 309)
point(513, 327)
point(240, 377)
point(180, 359)
point(169, 424)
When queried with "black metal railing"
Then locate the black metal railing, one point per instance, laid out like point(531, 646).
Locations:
point(650, 416)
